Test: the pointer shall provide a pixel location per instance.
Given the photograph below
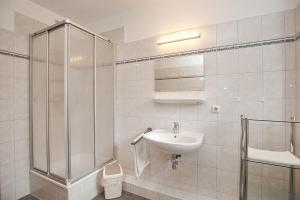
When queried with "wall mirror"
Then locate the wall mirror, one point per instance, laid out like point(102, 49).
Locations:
point(177, 74)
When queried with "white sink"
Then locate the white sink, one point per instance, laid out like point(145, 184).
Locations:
point(184, 142)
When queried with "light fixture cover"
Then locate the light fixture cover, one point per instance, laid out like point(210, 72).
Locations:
point(178, 36)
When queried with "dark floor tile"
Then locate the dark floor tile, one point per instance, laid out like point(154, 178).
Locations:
point(125, 196)
point(28, 197)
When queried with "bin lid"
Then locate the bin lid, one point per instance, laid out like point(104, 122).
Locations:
point(112, 169)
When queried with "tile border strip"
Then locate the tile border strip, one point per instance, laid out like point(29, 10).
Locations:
point(186, 53)
point(213, 49)
point(14, 54)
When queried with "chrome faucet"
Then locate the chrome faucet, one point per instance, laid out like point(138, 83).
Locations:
point(176, 128)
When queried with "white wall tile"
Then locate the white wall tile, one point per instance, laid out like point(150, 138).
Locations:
point(272, 189)
point(148, 108)
point(297, 54)
point(6, 40)
point(254, 187)
point(127, 72)
point(274, 84)
point(6, 131)
point(227, 62)
point(273, 26)
point(208, 37)
point(189, 112)
point(127, 89)
point(290, 111)
point(227, 158)
point(6, 63)
point(22, 170)
point(205, 113)
point(21, 129)
point(227, 182)
point(6, 88)
point(250, 29)
point(210, 90)
point(145, 71)
point(7, 153)
point(22, 150)
point(227, 86)
point(273, 57)
point(210, 63)
point(251, 108)
point(228, 134)
point(250, 85)
point(227, 33)
point(223, 196)
point(255, 169)
point(207, 177)
point(8, 192)
point(207, 156)
point(290, 22)
point(21, 68)
point(21, 108)
point(250, 60)
point(188, 176)
point(127, 107)
point(290, 84)
point(145, 89)
point(7, 175)
point(22, 188)
point(273, 135)
point(228, 111)
point(270, 171)
point(21, 44)
point(274, 109)
point(6, 107)
point(21, 89)
point(210, 130)
point(290, 55)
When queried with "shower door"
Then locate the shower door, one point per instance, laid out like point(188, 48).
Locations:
point(104, 102)
point(81, 102)
point(72, 102)
point(39, 102)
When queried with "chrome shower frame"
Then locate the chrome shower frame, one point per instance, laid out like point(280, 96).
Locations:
point(69, 179)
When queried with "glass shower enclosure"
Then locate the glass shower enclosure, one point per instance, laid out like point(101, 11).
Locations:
point(72, 102)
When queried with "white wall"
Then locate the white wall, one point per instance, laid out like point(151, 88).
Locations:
point(258, 82)
point(27, 8)
point(174, 15)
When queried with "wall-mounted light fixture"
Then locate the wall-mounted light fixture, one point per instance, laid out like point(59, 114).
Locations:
point(178, 36)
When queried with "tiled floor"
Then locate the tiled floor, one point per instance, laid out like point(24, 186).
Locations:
point(125, 196)
point(28, 197)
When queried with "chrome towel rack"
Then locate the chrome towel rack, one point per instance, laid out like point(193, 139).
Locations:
point(140, 136)
point(245, 158)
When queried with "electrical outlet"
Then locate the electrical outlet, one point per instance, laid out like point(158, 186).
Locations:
point(215, 109)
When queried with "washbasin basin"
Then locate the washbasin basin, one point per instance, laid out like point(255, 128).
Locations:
point(170, 143)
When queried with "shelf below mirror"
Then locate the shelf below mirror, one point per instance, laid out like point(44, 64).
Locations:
point(191, 97)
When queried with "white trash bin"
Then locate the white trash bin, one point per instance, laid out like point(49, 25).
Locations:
point(112, 180)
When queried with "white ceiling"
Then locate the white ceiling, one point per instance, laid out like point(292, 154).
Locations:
point(147, 18)
point(87, 11)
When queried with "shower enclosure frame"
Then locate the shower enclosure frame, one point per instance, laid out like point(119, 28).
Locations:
point(66, 24)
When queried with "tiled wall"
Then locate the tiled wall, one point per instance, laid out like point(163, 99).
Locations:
point(14, 106)
point(297, 138)
point(259, 82)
